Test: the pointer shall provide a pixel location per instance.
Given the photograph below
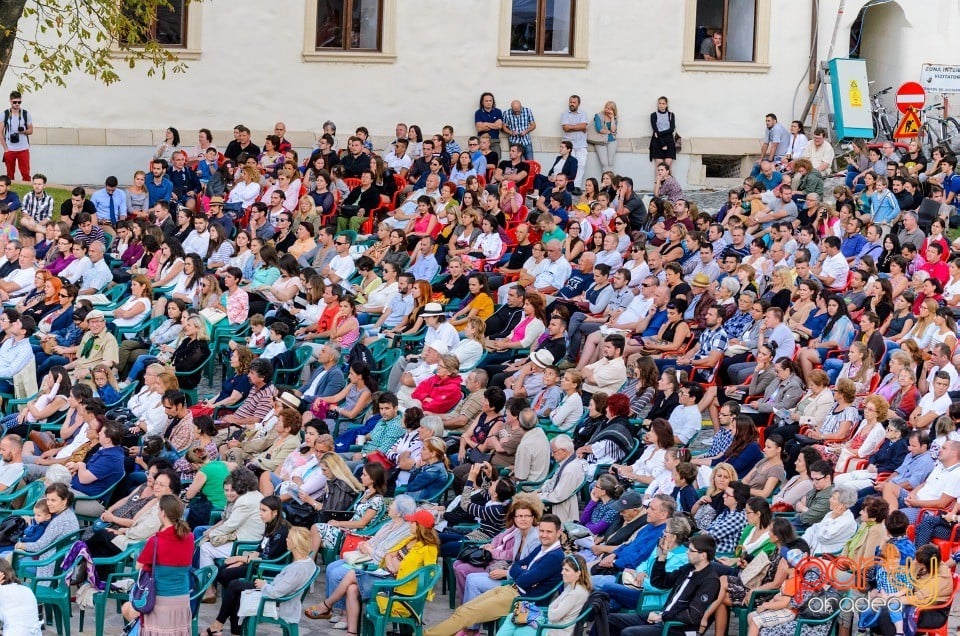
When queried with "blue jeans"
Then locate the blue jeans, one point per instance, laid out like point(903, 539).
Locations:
point(139, 366)
point(527, 149)
point(46, 362)
point(851, 174)
point(832, 367)
point(335, 573)
point(622, 597)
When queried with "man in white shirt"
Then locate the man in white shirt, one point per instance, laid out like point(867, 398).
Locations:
point(933, 404)
point(941, 488)
point(609, 255)
point(686, 420)
point(16, 352)
point(198, 242)
point(341, 268)
point(20, 281)
point(98, 274)
point(939, 360)
point(11, 468)
point(574, 125)
point(819, 152)
point(833, 268)
point(397, 159)
point(609, 372)
point(554, 276)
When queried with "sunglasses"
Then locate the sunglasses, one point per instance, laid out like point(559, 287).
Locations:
point(342, 243)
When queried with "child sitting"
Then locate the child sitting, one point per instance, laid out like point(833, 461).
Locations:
point(41, 519)
point(551, 395)
point(783, 607)
point(277, 332)
point(259, 334)
point(106, 384)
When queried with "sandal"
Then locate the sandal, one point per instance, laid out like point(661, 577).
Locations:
point(315, 612)
point(212, 632)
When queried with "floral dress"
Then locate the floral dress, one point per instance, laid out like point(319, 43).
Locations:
point(329, 535)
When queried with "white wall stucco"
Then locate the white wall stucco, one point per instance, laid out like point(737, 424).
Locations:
point(446, 54)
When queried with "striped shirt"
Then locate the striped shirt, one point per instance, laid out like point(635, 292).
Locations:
point(39, 208)
point(14, 356)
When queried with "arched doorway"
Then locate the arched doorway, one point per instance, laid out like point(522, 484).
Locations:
point(877, 35)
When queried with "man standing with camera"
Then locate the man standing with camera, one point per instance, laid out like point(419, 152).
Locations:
point(17, 128)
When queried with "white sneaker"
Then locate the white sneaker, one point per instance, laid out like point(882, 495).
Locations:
point(706, 441)
point(336, 618)
point(341, 625)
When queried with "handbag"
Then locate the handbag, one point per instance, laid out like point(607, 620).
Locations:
point(250, 605)
point(143, 594)
point(379, 458)
point(475, 456)
point(351, 542)
point(349, 211)
point(198, 512)
point(678, 141)
point(222, 539)
point(475, 556)
point(781, 506)
point(300, 514)
point(596, 138)
point(43, 440)
point(526, 614)
point(752, 575)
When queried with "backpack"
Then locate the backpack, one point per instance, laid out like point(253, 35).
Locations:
point(360, 353)
point(11, 529)
point(23, 120)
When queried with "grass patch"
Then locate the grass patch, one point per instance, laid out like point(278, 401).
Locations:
point(59, 195)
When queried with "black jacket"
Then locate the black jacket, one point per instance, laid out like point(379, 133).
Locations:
point(188, 357)
point(503, 321)
point(686, 603)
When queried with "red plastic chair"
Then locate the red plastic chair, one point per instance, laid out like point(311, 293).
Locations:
point(946, 545)
point(944, 630)
point(352, 182)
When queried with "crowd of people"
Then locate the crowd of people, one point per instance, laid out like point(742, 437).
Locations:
point(436, 353)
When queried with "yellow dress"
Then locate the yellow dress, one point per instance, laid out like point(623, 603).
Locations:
point(420, 555)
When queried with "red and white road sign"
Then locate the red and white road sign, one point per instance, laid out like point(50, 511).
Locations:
point(910, 95)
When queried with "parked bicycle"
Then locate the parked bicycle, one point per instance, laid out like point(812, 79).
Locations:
point(938, 131)
point(882, 127)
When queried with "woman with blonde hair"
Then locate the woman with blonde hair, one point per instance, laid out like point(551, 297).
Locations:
point(246, 190)
point(706, 509)
point(924, 329)
point(138, 199)
point(471, 347)
point(606, 122)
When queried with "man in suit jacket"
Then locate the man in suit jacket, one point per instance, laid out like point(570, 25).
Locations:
point(164, 220)
point(533, 576)
point(327, 380)
point(560, 491)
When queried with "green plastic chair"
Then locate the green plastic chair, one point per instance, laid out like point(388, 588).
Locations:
point(12, 404)
point(102, 498)
point(251, 623)
point(116, 296)
point(54, 595)
point(543, 628)
point(205, 578)
point(144, 325)
point(123, 562)
point(375, 622)
point(741, 611)
point(30, 495)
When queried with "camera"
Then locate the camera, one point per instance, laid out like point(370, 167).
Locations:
point(14, 138)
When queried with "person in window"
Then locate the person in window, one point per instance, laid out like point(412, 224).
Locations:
point(711, 48)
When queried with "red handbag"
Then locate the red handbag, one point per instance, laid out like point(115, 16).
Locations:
point(351, 542)
point(379, 458)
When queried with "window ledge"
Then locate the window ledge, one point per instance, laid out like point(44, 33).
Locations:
point(181, 54)
point(725, 67)
point(350, 57)
point(542, 61)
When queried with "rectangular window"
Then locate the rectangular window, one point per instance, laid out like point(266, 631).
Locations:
point(349, 25)
point(736, 20)
point(170, 27)
point(542, 27)
point(167, 27)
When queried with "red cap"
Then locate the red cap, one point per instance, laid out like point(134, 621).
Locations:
point(421, 517)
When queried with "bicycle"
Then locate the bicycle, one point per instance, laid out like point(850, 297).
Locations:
point(881, 119)
point(938, 131)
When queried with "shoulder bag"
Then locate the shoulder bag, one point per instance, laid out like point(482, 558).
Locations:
point(593, 137)
point(143, 595)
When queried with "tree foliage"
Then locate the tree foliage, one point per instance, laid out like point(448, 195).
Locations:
point(53, 38)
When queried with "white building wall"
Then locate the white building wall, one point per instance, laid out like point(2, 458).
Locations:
point(251, 70)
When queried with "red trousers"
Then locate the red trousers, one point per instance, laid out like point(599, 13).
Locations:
point(12, 158)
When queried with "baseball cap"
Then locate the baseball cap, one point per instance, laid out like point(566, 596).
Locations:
point(421, 517)
point(630, 500)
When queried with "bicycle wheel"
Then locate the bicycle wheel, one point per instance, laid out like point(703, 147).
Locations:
point(928, 139)
point(951, 138)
